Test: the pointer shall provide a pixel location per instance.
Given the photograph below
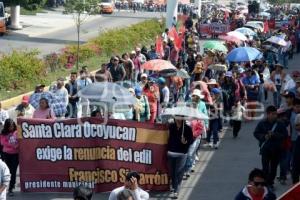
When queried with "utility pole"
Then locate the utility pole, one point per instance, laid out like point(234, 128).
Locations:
point(199, 4)
point(172, 9)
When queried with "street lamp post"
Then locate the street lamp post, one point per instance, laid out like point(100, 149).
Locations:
point(172, 6)
point(199, 4)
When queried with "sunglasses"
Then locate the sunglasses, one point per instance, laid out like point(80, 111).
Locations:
point(259, 184)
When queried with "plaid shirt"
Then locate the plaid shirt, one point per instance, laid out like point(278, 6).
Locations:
point(58, 105)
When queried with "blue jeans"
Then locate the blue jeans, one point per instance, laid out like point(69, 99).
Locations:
point(284, 165)
point(277, 97)
point(192, 154)
point(176, 166)
point(213, 130)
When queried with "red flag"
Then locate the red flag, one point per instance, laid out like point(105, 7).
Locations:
point(159, 46)
point(178, 43)
point(182, 30)
point(292, 194)
point(173, 35)
point(266, 27)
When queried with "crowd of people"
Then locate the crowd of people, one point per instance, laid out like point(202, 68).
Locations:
point(226, 96)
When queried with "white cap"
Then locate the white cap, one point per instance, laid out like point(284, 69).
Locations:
point(198, 93)
point(212, 82)
point(228, 74)
point(144, 75)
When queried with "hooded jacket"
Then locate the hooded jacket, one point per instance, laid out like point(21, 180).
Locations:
point(244, 195)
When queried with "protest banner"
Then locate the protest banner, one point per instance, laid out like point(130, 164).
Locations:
point(204, 29)
point(214, 28)
point(56, 156)
point(219, 29)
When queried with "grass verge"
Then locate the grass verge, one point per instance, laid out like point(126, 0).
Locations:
point(20, 72)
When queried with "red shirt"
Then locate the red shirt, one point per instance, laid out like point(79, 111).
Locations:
point(153, 97)
point(256, 196)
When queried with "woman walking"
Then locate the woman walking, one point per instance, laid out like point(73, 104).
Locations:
point(181, 137)
point(8, 139)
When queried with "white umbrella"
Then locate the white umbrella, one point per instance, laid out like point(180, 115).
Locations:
point(246, 31)
point(277, 40)
point(237, 35)
point(264, 14)
point(185, 112)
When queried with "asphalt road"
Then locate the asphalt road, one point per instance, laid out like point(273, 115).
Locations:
point(53, 41)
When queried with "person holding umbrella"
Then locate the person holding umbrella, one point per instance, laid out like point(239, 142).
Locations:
point(180, 139)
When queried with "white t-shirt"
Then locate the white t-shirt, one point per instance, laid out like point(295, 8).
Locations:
point(166, 95)
point(139, 194)
point(277, 79)
point(4, 178)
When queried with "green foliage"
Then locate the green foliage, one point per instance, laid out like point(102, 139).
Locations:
point(80, 6)
point(20, 68)
point(121, 40)
point(28, 4)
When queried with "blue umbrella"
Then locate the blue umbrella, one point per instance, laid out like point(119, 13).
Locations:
point(244, 54)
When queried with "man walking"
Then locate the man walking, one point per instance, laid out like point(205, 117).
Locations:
point(270, 133)
point(256, 189)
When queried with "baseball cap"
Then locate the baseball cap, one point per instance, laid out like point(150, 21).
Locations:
point(212, 82)
point(228, 74)
point(138, 91)
point(132, 174)
point(144, 75)
point(216, 91)
point(25, 99)
point(161, 80)
point(40, 86)
point(198, 93)
point(131, 90)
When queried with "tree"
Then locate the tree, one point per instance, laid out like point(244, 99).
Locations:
point(80, 9)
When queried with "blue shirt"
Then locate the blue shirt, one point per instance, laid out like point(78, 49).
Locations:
point(252, 94)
